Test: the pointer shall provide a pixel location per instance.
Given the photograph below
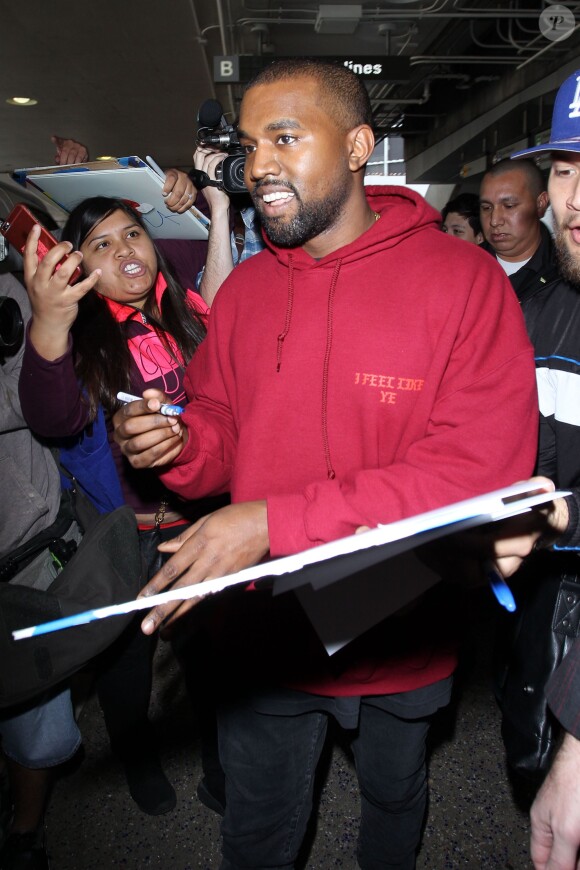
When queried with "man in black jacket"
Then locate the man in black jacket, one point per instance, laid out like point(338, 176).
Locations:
point(556, 334)
point(513, 199)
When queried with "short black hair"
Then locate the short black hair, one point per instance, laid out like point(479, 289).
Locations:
point(467, 205)
point(534, 175)
point(344, 96)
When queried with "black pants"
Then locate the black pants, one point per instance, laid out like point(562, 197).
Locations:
point(124, 680)
point(125, 671)
point(270, 763)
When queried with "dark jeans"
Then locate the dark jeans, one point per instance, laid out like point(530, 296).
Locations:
point(270, 762)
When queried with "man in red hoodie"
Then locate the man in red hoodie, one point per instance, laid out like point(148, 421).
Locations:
point(364, 367)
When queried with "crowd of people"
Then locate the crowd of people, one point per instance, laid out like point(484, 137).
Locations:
point(326, 387)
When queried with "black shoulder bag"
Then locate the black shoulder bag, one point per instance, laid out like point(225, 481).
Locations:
point(104, 568)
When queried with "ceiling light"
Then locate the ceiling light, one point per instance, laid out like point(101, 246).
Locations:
point(338, 19)
point(22, 101)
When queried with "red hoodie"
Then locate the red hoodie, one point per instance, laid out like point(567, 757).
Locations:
point(388, 378)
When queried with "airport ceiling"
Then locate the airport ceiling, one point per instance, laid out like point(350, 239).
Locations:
point(463, 80)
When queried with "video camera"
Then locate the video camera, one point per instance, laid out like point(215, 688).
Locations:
point(214, 132)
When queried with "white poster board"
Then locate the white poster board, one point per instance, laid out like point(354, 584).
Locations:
point(128, 178)
point(327, 570)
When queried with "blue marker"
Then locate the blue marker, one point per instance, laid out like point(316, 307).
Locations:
point(166, 410)
point(499, 587)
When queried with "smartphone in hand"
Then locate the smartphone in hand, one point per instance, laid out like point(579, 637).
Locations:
point(16, 228)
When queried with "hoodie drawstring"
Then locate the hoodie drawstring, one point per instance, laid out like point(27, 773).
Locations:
point(330, 472)
point(289, 305)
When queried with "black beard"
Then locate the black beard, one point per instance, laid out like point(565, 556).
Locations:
point(310, 221)
point(568, 264)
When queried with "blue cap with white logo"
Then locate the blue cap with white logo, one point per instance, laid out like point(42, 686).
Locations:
point(565, 135)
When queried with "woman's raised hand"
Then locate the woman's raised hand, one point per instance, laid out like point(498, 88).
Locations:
point(53, 300)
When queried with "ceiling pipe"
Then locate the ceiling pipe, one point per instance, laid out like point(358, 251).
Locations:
point(222, 27)
point(434, 10)
point(492, 45)
point(393, 15)
point(432, 58)
point(544, 49)
point(497, 13)
point(202, 43)
point(418, 101)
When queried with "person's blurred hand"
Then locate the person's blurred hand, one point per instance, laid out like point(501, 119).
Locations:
point(69, 151)
point(179, 191)
point(555, 813)
point(516, 538)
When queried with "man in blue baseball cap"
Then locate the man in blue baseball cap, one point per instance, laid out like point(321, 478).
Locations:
point(564, 148)
point(565, 133)
point(554, 325)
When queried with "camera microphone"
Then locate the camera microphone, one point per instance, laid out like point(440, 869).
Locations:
point(211, 121)
point(215, 134)
point(211, 114)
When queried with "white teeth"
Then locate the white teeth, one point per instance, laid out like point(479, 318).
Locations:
point(274, 197)
point(131, 268)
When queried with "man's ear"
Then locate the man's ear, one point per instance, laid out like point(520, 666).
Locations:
point(361, 143)
point(543, 201)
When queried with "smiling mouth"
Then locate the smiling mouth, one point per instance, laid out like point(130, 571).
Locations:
point(276, 205)
point(277, 196)
point(133, 269)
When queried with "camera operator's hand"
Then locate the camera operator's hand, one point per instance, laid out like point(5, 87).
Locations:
point(219, 202)
point(179, 191)
point(54, 302)
point(219, 261)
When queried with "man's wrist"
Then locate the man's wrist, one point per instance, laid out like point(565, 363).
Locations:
point(565, 522)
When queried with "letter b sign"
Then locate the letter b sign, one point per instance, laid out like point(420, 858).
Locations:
point(226, 69)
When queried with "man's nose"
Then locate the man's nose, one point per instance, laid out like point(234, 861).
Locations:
point(263, 162)
point(574, 200)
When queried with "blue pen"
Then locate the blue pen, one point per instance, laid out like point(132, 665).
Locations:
point(499, 587)
point(166, 410)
